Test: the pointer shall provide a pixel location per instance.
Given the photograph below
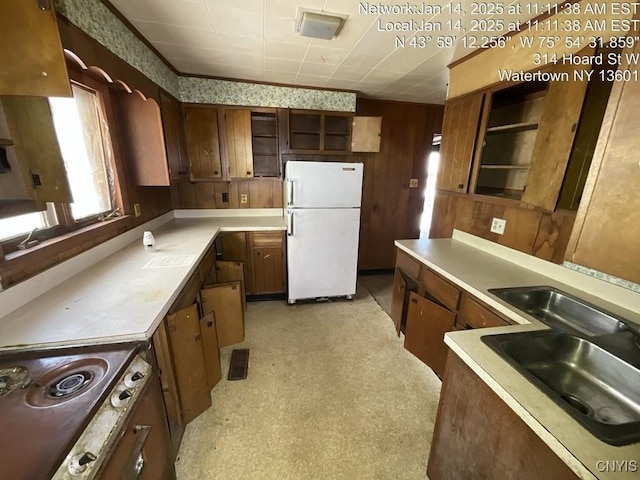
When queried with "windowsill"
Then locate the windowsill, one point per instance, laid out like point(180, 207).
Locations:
point(22, 264)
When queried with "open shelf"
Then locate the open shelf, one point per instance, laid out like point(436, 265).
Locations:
point(505, 167)
point(264, 143)
point(512, 128)
point(510, 135)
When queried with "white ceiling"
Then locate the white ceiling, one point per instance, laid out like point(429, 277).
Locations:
point(255, 40)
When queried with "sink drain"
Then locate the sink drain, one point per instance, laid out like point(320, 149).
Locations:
point(578, 404)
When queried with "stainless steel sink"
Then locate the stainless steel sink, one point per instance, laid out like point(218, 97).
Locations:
point(595, 387)
point(560, 310)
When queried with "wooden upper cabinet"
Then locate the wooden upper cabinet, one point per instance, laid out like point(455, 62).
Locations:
point(365, 135)
point(31, 57)
point(320, 132)
point(459, 132)
point(238, 142)
point(143, 139)
point(203, 144)
point(554, 141)
point(33, 165)
point(174, 139)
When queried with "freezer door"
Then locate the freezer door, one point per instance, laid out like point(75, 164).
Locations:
point(323, 184)
point(322, 252)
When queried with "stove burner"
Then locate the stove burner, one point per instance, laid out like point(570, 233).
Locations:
point(70, 384)
point(12, 379)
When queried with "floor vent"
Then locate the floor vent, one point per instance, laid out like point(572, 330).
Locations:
point(239, 364)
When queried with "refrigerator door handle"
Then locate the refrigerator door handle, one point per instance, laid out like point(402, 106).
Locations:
point(289, 191)
point(290, 223)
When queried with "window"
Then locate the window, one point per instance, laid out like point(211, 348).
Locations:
point(79, 125)
point(83, 135)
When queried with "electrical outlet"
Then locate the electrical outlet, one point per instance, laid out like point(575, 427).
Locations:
point(413, 183)
point(136, 209)
point(497, 225)
point(243, 198)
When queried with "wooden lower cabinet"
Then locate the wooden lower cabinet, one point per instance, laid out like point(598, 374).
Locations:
point(263, 256)
point(267, 262)
point(478, 437)
point(427, 322)
point(472, 314)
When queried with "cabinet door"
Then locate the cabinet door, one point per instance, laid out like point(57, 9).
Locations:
point(238, 143)
point(459, 133)
point(232, 272)
point(143, 139)
point(203, 145)
point(211, 349)
point(554, 141)
point(31, 58)
point(427, 322)
point(187, 352)
point(233, 248)
point(398, 299)
point(173, 136)
point(35, 160)
point(224, 300)
point(268, 270)
point(606, 236)
point(365, 135)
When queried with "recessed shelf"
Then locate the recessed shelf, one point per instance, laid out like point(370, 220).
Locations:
point(514, 127)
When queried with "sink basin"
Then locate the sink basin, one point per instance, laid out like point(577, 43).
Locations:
point(595, 387)
point(561, 311)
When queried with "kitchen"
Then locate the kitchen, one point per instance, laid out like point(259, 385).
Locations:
point(183, 199)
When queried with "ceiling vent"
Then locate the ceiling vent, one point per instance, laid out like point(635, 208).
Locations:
point(319, 24)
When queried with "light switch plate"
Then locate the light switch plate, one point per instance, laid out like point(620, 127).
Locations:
point(497, 225)
point(136, 209)
point(413, 183)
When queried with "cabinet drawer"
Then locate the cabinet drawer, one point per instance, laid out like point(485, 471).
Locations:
point(474, 315)
point(266, 239)
point(445, 292)
point(407, 264)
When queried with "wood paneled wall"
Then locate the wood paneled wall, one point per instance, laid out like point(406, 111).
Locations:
point(261, 193)
point(390, 209)
point(542, 234)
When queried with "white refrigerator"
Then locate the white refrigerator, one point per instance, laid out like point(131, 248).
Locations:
point(322, 201)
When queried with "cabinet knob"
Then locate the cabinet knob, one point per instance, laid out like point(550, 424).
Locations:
point(248, 173)
point(461, 186)
point(215, 172)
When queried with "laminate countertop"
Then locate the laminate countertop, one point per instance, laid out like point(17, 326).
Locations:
point(476, 265)
point(123, 296)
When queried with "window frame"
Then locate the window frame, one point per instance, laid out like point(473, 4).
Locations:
point(66, 223)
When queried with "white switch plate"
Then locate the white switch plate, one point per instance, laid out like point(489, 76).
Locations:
point(497, 225)
point(136, 209)
point(413, 183)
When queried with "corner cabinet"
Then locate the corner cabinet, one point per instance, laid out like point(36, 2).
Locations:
point(319, 132)
point(529, 143)
point(175, 142)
